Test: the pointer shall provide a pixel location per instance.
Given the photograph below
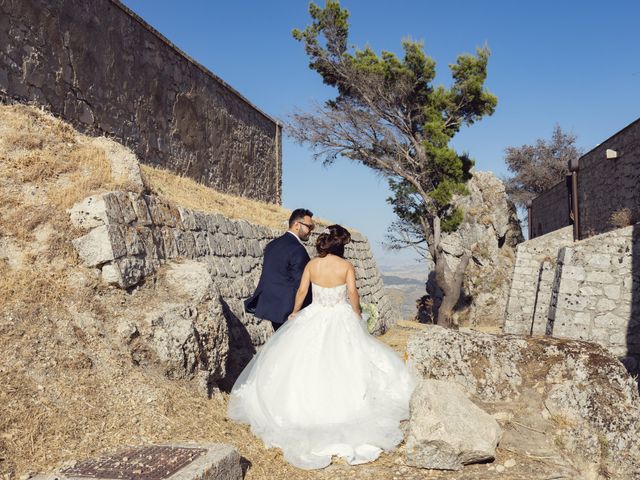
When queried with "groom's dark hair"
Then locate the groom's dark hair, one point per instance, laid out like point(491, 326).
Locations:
point(299, 214)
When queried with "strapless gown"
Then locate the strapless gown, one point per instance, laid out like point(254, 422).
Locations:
point(323, 386)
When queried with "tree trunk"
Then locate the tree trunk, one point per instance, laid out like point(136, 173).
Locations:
point(438, 286)
point(451, 289)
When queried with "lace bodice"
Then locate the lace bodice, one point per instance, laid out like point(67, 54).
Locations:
point(329, 297)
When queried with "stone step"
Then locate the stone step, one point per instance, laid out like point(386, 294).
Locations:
point(216, 461)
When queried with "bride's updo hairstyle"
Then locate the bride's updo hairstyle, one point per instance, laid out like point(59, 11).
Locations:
point(332, 240)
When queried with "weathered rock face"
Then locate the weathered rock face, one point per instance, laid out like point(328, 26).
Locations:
point(490, 231)
point(569, 401)
point(186, 328)
point(447, 430)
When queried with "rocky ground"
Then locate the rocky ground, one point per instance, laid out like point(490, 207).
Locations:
point(87, 367)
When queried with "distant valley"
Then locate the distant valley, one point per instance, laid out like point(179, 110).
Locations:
point(404, 284)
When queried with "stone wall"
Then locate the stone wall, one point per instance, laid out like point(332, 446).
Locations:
point(606, 186)
point(131, 235)
point(102, 68)
point(608, 190)
point(593, 293)
point(531, 287)
point(550, 210)
point(598, 294)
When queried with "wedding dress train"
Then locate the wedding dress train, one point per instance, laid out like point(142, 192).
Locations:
point(323, 386)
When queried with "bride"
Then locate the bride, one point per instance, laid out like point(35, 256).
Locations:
point(322, 386)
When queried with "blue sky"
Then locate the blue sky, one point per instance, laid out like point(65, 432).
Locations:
point(575, 63)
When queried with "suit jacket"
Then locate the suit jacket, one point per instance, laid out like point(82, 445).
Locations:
point(282, 267)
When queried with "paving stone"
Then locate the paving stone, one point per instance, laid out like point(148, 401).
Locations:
point(158, 462)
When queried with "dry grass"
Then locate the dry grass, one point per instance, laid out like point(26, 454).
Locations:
point(191, 194)
point(68, 386)
point(622, 218)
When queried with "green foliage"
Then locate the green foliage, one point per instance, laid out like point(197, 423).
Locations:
point(451, 221)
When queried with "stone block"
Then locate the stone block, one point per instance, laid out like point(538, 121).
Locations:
point(140, 208)
point(189, 243)
point(573, 272)
point(612, 291)
point(569, 286)
point(127, 214)
point(124, 164)
point(169, 245)
point(162, 212)
point(212, 223)
point(599, 277)
point(223, 225)
point(133, 243)
point(187, 218)
point(589, 291)
point(618, 338)
point(153, 244)
point(96, 247)
point(163, 462)
point(215, 246)
point(611, 321)
point(200, 219)
point(606, 304)
point(601, 261)
point(89, 213)
point(124, 272)
point(232, 227)
point(202, 243)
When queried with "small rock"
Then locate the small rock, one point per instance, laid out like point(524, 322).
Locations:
point(503, 416)
point(500, 468)
point(510, 463)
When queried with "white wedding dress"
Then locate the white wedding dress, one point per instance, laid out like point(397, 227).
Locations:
point(323, 386)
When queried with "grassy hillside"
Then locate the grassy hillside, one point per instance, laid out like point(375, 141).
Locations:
point(69, 384)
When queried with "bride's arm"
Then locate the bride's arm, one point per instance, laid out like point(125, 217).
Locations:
point(352, 291)
point(301, 294)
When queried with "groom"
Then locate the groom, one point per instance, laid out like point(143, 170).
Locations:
point(284, 260)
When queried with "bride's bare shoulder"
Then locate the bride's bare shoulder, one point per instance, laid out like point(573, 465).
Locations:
point(345, 263)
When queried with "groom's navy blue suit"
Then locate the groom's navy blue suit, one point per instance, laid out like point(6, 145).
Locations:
point(284, 261)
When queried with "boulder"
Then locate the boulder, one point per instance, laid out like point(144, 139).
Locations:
point(566, 400)
point(186, 330)
point(447, 430)
point(489, 232)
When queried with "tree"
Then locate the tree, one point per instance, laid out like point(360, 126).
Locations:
point(389, 116)
point(539, 167)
